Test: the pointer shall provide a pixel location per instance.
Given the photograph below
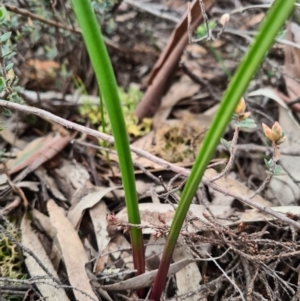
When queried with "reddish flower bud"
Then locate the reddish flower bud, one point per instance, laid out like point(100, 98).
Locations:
point(275, 134)
point(276, 131)
point(267, 132)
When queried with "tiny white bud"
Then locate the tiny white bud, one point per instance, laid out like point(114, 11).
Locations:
point(224, 19)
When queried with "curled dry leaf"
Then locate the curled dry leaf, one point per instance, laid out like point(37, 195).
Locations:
point(88, 201)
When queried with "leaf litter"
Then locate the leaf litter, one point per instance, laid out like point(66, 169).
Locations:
point(71, 236)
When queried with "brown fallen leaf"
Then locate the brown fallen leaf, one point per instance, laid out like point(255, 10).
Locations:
point(48, 289)
point(36, 153)
point(252, 20)
point(39, 74)
point(184, 88)
point(44, 222)
point(74, 255)
point(88, 201)
point(253, 215)
point(11, 138)
point(153, 252)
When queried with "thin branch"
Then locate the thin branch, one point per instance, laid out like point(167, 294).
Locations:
point(157, 10)
point(26, 13)
point(262, 149)
point(169, 166)
point(227, 277)
point(232, 156)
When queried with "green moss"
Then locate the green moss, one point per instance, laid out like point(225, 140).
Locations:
point(11, 259)
point(129, 101)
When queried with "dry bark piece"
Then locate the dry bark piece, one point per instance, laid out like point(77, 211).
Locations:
point(168, 61)
point(292, 64)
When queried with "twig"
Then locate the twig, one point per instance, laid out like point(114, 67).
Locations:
point(169, 166)
point(232, 156)
point(199, 80)
point(208, 36)
point(243, 9)
point(262, 186)
point(150, 8)
point(247, 35)
point(275, 159)
point(36, 280)
point(33, 16)
point(205, 18)
point(226, 276)
point(262, 149)
point(138, 165)
point(257, 6)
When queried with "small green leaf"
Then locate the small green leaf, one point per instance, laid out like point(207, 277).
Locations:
point(268, 163)
point(6, 112)
point(5, 37)
point(7, 53)
point(9, 66)
point(3, 14)
point(248, 123)
point(2, 85)
point(226, 143)
point(202, 31)
point(278, 171)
